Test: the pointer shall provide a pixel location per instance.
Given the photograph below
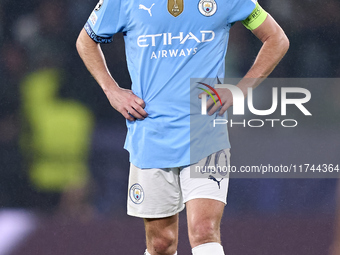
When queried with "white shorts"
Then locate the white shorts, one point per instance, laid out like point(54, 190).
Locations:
point(159, 193)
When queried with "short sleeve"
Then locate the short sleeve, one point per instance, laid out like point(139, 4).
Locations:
point(108, 18)
point(240, 10)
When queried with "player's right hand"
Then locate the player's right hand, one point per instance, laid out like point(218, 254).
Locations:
point(127, 103)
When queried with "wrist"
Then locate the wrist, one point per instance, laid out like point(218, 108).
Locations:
point(110, 87)
point(246, 83)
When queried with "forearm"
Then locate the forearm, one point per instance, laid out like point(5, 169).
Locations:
point(93, 58)
point(123, 100)
point(275, 46)
point(272, 51)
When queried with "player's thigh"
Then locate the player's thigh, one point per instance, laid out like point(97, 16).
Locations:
point(209, 185)
point(205, 199)
point(154, 193)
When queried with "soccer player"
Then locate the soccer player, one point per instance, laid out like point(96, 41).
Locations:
point(168, 43)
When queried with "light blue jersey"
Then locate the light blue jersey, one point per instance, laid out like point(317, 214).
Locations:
point(167, 43)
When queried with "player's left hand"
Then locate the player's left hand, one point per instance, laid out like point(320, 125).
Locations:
point(226, 97)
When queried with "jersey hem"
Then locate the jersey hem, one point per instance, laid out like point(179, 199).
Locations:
point(204, 155)
point(180, 164)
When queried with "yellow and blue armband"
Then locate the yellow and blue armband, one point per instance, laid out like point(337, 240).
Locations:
point(256, 18)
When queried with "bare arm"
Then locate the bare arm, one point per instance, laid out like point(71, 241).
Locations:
point(122, 100)
point(275, 46)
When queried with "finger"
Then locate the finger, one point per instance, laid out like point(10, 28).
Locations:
point(207, 92)
point(135, 114)
point(214, 109)
point(210, 102)
point(140, 102)
point(128, 116)
point(200, 95)
point(140, 110)
point(224, 108)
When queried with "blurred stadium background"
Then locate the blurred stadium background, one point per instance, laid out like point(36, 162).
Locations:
point(63, 171)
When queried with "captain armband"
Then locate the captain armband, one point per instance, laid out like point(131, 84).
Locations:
point(256, 18)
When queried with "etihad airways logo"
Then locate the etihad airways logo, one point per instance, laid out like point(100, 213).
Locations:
point(169, 38)
point(153, 40)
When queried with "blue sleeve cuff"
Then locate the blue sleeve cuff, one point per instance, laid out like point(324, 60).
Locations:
point(94, 37)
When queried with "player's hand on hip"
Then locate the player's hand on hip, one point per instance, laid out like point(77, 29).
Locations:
point(226, 98)
point(127, 103)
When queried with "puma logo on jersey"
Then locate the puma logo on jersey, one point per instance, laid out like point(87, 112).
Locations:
point(215, 180)
point(146, 9)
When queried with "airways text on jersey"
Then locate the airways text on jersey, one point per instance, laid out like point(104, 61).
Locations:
point(163, 39)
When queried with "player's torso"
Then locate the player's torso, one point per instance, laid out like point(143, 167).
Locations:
point(159, 26)
point(168, 42)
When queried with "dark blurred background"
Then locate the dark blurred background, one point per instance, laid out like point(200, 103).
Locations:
point(63, 171)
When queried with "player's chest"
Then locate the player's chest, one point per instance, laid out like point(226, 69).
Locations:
point(176, 15)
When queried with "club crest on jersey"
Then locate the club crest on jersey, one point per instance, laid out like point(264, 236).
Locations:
point(207, 7)
point(93, 18)
point(136, 193)
point(99, 5)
